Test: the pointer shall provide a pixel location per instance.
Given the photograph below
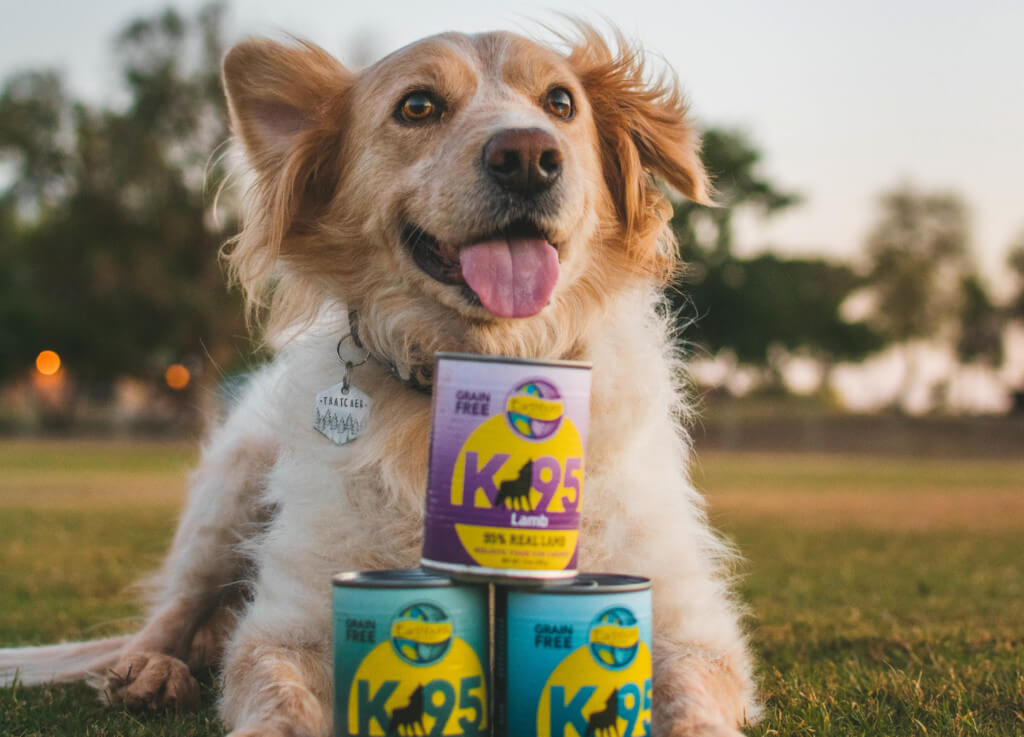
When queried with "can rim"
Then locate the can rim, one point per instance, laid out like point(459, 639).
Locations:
point(585, 583)
point(395, 578)
point(562, 363)
point(483, 574)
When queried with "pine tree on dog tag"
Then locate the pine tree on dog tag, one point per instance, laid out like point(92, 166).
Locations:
point(340, 412)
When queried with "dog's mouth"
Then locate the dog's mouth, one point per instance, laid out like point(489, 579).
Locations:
point(510, 272)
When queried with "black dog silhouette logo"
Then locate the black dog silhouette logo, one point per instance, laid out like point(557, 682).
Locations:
point(515, 494)
point(605, 722)
point(407, 721)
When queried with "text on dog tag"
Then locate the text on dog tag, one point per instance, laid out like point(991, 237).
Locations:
point(340, 413)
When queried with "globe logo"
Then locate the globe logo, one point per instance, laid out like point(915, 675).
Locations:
point(614, 638)
point(534, 409)
point(421, 633)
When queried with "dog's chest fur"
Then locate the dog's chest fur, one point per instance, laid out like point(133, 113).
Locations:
point(340, 502)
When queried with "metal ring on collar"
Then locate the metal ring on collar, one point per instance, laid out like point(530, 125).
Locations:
point(349, 365)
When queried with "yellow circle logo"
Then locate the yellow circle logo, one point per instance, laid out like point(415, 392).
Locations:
point(535, 409)
point(421, 633)
point(585, 698)
point(497, 468)
point(392, 696)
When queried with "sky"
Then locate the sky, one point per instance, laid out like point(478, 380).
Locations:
point(845, 99)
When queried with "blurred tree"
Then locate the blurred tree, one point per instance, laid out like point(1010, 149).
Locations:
point(35, 116)
point(980, 334)
point(112, 251)
point(1015, 260)
point(705, 234)
point(917, 254)
point(755, 306)
point(16, 314)
point(750, 306)
point(1015, 310)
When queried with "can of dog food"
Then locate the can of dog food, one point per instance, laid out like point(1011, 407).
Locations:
point(573, 658)
point(505, 484)
point(410, 655)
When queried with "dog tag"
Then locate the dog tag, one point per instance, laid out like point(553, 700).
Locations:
point(341, 411)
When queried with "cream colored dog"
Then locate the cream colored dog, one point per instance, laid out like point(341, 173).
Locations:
point(473, 193)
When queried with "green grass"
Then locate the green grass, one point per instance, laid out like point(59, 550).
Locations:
point(887, 595)
point(865, 633)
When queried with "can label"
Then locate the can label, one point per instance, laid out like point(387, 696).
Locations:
point(505, 486)
point(573, 665)
point(410, 662)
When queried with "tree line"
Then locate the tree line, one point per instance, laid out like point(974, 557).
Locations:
point(108, 237)
point(916, 281)
point(108, 245)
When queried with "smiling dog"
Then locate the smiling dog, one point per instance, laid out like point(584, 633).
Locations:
point(480, 194)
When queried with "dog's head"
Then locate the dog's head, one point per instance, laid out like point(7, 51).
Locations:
point(480, 193)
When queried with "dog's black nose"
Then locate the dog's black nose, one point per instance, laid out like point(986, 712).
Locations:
point(525, 161)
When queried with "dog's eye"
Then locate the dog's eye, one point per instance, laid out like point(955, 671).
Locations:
point(417, 107)
point(559, 103)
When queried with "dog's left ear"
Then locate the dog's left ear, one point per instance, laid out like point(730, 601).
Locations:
point(279, 96)
point(644, 131)
point(287, 107)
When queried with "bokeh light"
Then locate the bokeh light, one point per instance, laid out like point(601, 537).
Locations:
point(47, 363)
point(177, 376)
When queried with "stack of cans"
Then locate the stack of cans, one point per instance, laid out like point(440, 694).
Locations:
point(497, 633)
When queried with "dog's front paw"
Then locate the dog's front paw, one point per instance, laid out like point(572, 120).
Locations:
point(150, 680)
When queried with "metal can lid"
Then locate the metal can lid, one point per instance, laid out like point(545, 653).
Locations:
point(589, 583)
point(399, 578)
point(442, 355)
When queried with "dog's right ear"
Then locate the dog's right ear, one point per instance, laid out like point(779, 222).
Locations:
point(287, 106)
point(282, 98)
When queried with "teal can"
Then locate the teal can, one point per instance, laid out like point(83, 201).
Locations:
point(573, 659)
point(410, 655)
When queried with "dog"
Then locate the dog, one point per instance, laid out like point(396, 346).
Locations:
point(478, 193)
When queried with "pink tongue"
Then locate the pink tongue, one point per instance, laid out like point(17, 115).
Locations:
point(512, 278)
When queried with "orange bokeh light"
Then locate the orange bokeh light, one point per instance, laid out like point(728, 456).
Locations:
point(177, 376)
point(47, 363)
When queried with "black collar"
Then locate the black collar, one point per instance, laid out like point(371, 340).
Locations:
point(421, 379)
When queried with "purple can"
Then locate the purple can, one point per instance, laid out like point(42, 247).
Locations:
point(505, 485)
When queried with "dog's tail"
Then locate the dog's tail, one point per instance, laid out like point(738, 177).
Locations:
point(69, 661)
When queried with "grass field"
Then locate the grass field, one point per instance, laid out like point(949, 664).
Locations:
point(887, 596)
